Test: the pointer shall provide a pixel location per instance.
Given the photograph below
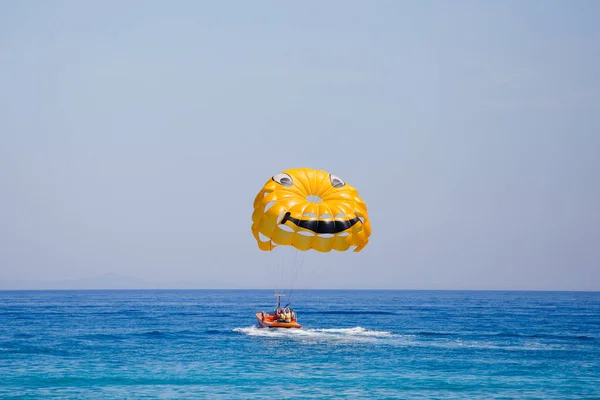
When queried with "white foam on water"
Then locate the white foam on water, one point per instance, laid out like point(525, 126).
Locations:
point(357, 331)
point(343, 335)
point(366, 336)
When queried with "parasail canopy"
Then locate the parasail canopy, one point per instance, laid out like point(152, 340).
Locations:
point(310, 209)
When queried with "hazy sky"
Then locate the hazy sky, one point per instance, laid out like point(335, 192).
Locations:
point(134, 136)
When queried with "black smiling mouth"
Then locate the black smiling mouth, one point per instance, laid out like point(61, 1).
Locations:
point(321, 226)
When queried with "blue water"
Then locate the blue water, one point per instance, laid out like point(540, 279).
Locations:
point(355, 344)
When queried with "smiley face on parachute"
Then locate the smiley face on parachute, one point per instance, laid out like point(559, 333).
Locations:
point(310, 209)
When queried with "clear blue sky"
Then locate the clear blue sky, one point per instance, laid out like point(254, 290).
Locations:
point(135, 135)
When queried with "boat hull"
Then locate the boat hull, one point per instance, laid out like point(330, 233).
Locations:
point(268, 321)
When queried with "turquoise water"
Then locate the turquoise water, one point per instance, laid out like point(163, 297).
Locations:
point(354, 344)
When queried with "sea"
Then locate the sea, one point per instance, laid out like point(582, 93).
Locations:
point(354, 344)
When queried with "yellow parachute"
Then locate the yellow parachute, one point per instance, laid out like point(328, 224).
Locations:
point(310, 209)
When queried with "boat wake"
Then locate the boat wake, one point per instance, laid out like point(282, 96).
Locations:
point(373, 337)
point(341, 335)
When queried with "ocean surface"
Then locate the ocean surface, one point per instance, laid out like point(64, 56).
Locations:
point(354, 344)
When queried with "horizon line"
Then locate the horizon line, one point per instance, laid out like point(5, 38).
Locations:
point(304, 289)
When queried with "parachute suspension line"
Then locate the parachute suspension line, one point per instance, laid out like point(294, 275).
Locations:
point(288, 269)
point(271, 268)
point(293, 278)
point(284, 267)
point(280, 268)
point(276, 268)
point(290, 277)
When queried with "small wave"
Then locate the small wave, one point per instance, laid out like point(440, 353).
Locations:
point(153, 334)
point(486, 336)
point(349, 312)
point(35, 350)
point(102, 336)
point(483, 345)
point(219, 332)
point(24, 335)
point(544, 336)
point(436, 334)
point(186, 333)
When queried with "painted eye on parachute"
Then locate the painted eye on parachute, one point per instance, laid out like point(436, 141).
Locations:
point(283, 179)
point(335, 181)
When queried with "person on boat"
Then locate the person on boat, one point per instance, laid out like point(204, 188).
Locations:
point(288, 316)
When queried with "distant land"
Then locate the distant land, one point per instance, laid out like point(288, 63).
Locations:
point(108, 281)
point(114, 281)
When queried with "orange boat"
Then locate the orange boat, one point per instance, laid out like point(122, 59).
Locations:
point(269, 321)
point(280, 318)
